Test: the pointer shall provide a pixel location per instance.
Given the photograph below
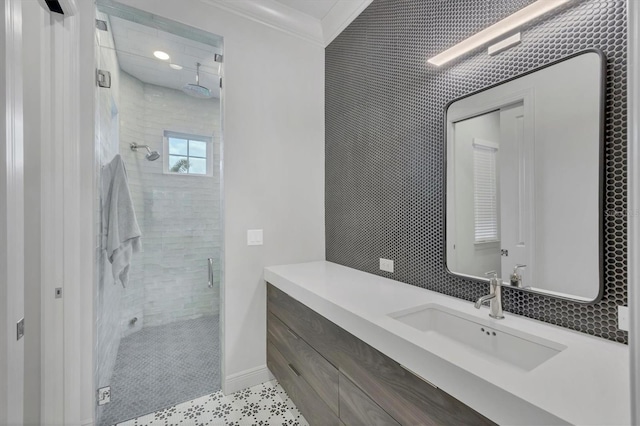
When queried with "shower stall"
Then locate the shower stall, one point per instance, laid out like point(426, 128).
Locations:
point(158, 339)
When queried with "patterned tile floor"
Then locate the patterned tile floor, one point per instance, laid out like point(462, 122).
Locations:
point(263, 405)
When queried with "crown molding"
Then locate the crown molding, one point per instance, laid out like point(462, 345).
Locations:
point(293, 22)
point(340, 16)
point(275, 15)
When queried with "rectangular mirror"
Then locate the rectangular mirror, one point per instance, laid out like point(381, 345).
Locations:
point(525, 180)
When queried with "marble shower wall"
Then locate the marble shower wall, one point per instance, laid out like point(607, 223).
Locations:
point(179, 215)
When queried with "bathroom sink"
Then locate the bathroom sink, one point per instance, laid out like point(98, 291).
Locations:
point(502, 343)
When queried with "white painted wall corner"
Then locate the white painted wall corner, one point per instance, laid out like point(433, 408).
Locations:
point(246, 379)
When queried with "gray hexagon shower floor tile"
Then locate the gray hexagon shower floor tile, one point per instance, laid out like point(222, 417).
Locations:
point(161, 366)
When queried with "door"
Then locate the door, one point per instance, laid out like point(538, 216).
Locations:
point(474, 244)
point(516, 194)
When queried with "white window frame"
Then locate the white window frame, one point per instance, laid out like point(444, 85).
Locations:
point(191, 137)
point(490, 147)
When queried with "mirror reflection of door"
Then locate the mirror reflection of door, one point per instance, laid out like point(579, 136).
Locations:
point(493, 194)
point(515, 166)
point(476, 248)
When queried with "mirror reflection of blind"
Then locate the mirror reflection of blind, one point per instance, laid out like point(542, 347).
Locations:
point(485, 191)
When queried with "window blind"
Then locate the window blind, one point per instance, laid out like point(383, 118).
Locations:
point(485, 193)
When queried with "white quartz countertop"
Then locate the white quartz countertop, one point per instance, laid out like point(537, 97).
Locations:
point(585, 384)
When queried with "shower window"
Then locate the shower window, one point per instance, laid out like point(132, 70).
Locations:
point(188, 154)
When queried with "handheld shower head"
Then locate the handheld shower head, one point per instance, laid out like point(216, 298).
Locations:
point(151, 155)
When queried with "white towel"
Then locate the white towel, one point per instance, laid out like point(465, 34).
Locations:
point(120, 231)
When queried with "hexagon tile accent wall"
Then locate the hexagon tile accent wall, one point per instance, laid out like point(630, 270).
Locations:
point(385, 144)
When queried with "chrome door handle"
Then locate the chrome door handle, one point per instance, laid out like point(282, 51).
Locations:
point(210, 262)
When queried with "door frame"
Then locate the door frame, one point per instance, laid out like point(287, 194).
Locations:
point(74, 358)
point(11, 215)
point(78, 206)
point(68, 244)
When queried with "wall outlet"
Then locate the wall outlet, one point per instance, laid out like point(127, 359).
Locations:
point(104, 395)
point(386, 265)
point(623, 318)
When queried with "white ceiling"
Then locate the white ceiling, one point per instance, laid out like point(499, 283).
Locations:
point(315, 8)
point(318, 21)
point(135, 44)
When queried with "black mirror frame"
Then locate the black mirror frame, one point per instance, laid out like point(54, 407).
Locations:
point(601, 179)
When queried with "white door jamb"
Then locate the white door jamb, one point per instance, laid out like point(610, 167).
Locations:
point(11, 215)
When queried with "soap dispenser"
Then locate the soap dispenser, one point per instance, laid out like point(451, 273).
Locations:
point(516, 278)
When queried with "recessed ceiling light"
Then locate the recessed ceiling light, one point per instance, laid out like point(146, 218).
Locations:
point(161, 55)
point(176, 66)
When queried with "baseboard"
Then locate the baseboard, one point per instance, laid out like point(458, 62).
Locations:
point(246, 379)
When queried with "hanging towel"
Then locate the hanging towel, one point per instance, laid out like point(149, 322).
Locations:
point(120, 231)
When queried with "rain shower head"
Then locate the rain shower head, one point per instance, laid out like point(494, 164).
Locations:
point(196, 90)
point(151, 155)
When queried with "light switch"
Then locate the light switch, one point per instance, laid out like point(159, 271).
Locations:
point(254, 237)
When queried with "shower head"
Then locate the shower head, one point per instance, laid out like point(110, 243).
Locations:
point(151, 155)
point(196, 90)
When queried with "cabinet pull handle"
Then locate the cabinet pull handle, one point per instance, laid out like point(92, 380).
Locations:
point(292, 333)
point(417, 375)
point(292, 368)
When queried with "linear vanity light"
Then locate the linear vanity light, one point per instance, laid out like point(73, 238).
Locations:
point(508, 24)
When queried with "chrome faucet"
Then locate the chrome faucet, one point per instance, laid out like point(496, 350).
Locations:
point(516, 279)
point(494, 297)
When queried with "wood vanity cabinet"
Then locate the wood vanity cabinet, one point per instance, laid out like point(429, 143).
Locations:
point(335, 378)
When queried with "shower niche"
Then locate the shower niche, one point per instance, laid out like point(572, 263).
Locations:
point(158, 339)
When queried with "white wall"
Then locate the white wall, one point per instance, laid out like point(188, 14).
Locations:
point(273, 160)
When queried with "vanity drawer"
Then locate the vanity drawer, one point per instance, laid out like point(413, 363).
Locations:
point(406, 397)
point(409, 399)
point(317, 371)
point(357, 409)
point(316, 330)
point(313, 408)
